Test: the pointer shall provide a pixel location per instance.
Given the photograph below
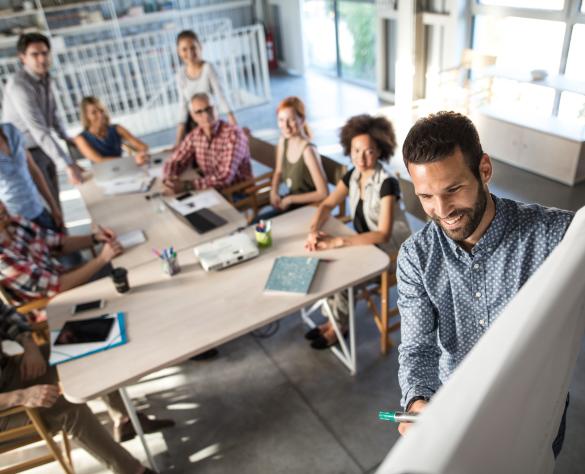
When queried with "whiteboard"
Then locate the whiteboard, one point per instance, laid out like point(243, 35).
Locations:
point(500, 410)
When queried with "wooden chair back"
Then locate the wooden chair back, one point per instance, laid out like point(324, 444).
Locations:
point(32, 432)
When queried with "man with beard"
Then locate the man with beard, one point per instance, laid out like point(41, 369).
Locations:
point(458, 273)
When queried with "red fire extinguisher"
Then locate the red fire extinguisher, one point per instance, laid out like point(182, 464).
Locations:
point(271, 50)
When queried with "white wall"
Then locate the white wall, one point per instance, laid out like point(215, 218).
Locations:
point(291, 27)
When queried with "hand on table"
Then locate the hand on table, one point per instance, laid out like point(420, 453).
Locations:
point(75, 174)
point(39, 396)
point(174, 186)
point(142, 158)
point(104, 234)
point(319, 240)
point(416, 407)
point(57, 216)
point(110, 250)
point(275, 199)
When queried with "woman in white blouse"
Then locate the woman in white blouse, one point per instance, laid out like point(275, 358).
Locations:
point(196, 76)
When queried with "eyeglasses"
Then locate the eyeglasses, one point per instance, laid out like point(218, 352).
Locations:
point(206, 110)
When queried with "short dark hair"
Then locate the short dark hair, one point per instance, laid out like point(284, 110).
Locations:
point(26, 39)
point(378, 128)
point(188, 34)
point(437, 136)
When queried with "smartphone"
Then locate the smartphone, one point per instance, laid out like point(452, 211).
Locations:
point(80, 307)
point(181, 197)
point(157, 161)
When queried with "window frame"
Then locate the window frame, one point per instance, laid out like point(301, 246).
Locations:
point(570, 15)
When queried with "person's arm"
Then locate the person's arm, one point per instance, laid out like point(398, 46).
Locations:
point(313, 162)
point(276, 176)
point(135, 143)
point(323, 212)
point(228, 162)
point(419, 353)
point(32, 397)
point(81, 275)
point(43, 188)
point(90, 152)
point(179, 160)
point(219, 94)
point(73, 243)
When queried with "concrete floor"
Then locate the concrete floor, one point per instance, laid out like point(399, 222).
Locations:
point(273, 405)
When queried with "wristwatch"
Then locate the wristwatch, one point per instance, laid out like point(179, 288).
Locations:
point(94, 239)
point(415, 399)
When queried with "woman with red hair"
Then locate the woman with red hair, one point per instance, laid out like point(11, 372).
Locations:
point(298, 165)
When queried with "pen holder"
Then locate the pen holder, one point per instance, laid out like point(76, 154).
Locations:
point(264, 234)
point(170, 266)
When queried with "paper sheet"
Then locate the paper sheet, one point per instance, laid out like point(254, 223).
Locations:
point(132, 238)
point(200, 200)
point(126, 185)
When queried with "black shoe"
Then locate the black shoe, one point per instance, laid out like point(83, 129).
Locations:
point(210, 354)
point(321, 343)
point(125, 431)
point(313, 334)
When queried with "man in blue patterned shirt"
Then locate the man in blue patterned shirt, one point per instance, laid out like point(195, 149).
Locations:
point(459, 272)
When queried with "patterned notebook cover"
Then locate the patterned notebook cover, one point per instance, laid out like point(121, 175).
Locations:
point(292, 274)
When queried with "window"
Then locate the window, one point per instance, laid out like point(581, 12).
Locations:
point(319, 30)
point(573, 105)
point(532, 4)
point(521, 45)
point(341, 38)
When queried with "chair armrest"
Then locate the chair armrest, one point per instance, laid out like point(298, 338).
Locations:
point(249, 186)
point(36, 304)
point(12, 411)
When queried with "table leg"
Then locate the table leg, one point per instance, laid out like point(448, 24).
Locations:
point(136, 424)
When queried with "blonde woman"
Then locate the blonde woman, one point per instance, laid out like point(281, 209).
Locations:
point(101, 141)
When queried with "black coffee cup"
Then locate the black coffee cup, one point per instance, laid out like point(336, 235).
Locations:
point(120, 277)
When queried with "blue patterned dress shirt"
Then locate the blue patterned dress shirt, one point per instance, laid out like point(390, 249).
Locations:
point(448, 297)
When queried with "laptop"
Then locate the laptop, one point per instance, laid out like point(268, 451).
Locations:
point(202, 220)
point(124, 167)
point(225, 252)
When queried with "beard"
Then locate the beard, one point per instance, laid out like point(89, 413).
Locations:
point(469, 218)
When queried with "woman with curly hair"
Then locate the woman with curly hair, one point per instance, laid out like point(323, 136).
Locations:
point(373, 195)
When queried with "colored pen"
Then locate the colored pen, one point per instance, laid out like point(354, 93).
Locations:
point(157, 253)
point(397, 416)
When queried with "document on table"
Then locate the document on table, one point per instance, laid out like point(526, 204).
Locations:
point(132, 238)
point(126, 185)
point(194, 202)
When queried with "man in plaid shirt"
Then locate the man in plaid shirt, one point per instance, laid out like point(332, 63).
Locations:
point(219, 150)
point(26, 380)
point(29, 268)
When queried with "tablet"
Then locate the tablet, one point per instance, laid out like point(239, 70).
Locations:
point(85, 330)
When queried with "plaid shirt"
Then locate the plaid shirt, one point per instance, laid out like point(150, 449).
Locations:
point(27, 266)
point(12, 325)
point(224, 160)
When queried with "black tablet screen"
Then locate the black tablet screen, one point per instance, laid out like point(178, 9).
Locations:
point(85, 330)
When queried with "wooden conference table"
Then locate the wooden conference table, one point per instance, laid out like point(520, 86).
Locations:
point(129, 212)
point(170, 319)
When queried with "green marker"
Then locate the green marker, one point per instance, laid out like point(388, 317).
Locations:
point(397, 416)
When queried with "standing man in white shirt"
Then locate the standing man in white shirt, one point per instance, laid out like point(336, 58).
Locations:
point(29, 103)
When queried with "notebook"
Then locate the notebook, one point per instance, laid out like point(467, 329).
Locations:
point(292, 275)
point(67, 352)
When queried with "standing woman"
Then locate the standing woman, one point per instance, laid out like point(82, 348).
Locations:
point(101, 141)
point(194, 77)
point(298, 163)
point(373, 195)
